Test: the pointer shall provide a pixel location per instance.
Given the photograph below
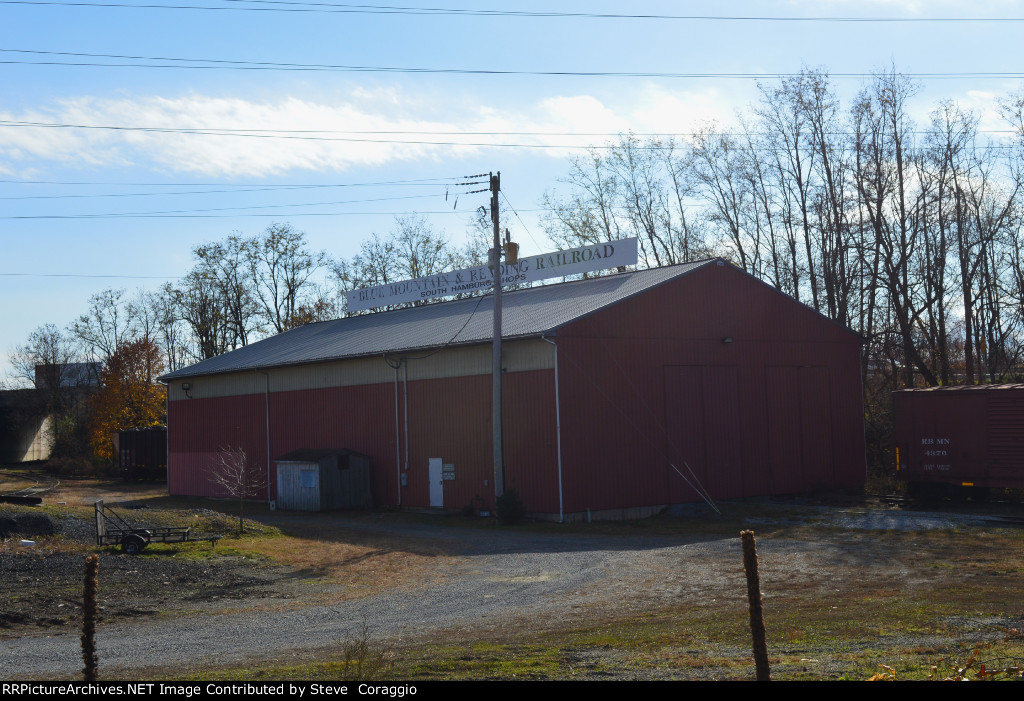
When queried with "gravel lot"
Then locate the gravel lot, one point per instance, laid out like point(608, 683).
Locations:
point(482, 581)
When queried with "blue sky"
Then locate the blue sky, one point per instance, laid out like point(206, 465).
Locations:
point(218, 184)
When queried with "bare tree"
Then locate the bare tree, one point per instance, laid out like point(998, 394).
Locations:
point(720, 166)
point(47, 361)
point(200, 306)
point(281, 268)
point(783, 113)
point(587, 215)
point(228, 264)
point(235, 474)
point(411, 250)
point(169, 333)
point(107, 325)
point(420, 251)
point(637, 188)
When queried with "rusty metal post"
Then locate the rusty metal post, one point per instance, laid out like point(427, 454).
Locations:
point(757, 629)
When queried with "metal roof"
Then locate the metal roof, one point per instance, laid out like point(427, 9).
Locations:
point(527, 312)
point(952, 389)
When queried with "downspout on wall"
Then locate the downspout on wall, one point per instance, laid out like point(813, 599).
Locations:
point(558, 433)
point(266, 409)
point(405, 361)
point(398, 445)
point(167, 443)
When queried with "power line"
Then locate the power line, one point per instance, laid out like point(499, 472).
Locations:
point(409, 142)
point(266, 206)
point(430, 182)
point(159, 215)
point(85, 275)
point(167, 194)
point(309, 133)
point(229, 64)
point(341, 8)
point(247, 207)
point(525, 227)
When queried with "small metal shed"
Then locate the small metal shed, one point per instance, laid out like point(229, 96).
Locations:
point(322, 480)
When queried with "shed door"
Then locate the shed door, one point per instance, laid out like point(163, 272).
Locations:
point(436, 483)
point(298, 486)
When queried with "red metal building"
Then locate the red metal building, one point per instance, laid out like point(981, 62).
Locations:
point(622, 394)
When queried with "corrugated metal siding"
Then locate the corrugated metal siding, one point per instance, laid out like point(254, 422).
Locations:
point(684, 430)
point(785, 450)
point(449, 418)
point(650, 381)
point(816, 428)
point(517, 356)
point(1006, 447)
point(202, 428)
point(531, 451)
point(721, 406)
point(359, 418)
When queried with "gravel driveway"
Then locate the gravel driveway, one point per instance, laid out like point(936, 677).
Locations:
point(491, 580)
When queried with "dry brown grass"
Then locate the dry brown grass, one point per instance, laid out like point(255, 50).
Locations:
point(362, 564)
point(85, 492)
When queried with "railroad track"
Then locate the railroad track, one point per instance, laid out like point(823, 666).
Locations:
point(904, 501)
point(41, 484)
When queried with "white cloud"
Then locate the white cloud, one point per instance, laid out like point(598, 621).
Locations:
point(434, 126)
point(985, 106)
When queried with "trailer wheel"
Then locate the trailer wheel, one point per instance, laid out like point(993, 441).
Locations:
point(133, 545)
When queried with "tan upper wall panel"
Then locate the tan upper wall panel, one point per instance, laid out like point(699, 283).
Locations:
point(518, 356)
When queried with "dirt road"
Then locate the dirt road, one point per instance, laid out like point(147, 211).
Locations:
point(493, 582)
point(478, 582)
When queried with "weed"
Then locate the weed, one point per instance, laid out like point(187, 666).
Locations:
point(888, 674)
point(362, 660)
point(987, 661)
point(510, 507)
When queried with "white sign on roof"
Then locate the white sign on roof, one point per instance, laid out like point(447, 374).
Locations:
point(585, 259)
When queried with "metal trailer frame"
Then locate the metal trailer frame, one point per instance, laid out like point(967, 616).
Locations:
point(132, 539)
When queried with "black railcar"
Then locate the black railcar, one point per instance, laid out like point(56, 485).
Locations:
point(142, 453)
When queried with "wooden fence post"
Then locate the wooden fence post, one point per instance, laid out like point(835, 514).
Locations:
point(89, 611)
point(757, 630)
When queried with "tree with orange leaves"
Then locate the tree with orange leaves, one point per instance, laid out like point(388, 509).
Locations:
point(128, 397)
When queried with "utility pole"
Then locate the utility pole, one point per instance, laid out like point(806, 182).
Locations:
point(497, 277)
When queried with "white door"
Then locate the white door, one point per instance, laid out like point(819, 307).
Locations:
point(436, 483)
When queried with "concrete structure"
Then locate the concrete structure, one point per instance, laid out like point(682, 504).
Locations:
point(622, 394)
point(26, 429)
